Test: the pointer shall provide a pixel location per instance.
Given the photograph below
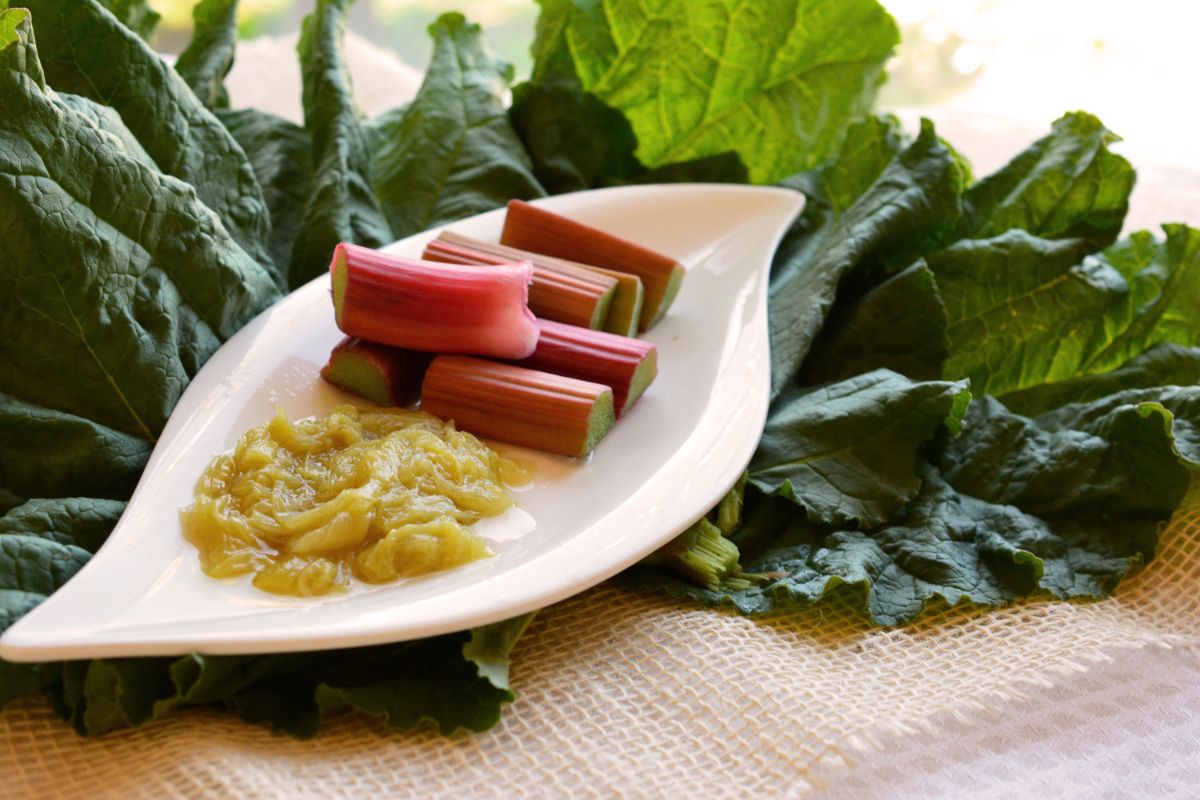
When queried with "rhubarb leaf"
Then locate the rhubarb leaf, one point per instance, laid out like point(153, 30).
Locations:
point(85, 51)
point(206, 60)
point(83, 522)
point(137, 15)
point(1025, 311)
point(341, 206)
point(847, 453)
point(574, 140)
point(454, 152)
point(31, 568)
point(454, 681)
point(1182, 402)
point(899, 325)
point(1162, 365)
point(127, 294)
point(1115, 458)
point(281, 154)
point(1014, 512)
point(912, 202)
point(75, 455)
point(1065, 185)
point(777, 81)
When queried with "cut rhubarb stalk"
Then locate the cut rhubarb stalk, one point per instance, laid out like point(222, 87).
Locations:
point(387, 376)
point(421, 305)
point(518, 405)
point(625, 365)
point(623, 314)
point(577, 298)
point(532, 228)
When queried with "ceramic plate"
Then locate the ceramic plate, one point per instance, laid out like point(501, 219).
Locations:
point(668, 461)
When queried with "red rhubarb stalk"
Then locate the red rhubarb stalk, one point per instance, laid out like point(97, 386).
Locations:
point(625, 365)
point(530, 227)
point(518, 405)
point(624, 312)
point(579, 298)
point(387, 376)
point(422, 305)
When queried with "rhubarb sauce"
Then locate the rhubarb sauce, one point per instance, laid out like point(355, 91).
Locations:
point(374, 494)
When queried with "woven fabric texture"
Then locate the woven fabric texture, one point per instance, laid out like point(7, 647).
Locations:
point(635, 694)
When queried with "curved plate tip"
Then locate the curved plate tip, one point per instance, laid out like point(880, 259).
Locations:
point(669, 460)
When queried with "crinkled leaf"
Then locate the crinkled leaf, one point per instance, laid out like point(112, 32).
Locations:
point(206, 60)
point(1113, 458)
point(1025, 311)
point(1017, 512)
point(128, 293)
point(281, 154)
point(869, 147)
point(82, 522)
point(86, 52)
point(575, 141)
point(341, 206)
point(32, 567)
point(443, 681)
point(899, 325)
point(137, 15)
point(454, 152)
point(847, 453)
point(721, 168)
point(1161, 365)
point(1164, 294)
point(109, 121)
point(74, 454)
point(913, 201)
point(777, 80)
point(1183, 403)
point(454, 681)
point(1065, 185)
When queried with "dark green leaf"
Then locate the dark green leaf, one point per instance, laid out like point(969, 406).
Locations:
point(341, 206)
point(32, 567)
point(575, 141)
point(454, 152)
point(281, 154)
point(777, 81)
point(459, 680)
point(1066, 185)
point(899, 325)
point(73, 454)
point(206, 60)
point(847, 453)
point(1025, 311)
point(86, 52)
point(83, 522)
point(1183, 403)
point(137, 15)
point(974, 536)
point(1161, 365)
point(1113, 458)
point(912, 202)
point(721, 168)
point(869, 147)
point(111, 305)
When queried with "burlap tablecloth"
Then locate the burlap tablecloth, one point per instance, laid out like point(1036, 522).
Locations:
point(635, 694)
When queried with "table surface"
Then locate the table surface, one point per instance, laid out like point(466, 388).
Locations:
point(635, 694)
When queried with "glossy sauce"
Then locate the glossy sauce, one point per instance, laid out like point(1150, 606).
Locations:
point(375, 494)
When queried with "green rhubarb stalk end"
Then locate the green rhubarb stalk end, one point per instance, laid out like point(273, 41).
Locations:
point(600, 421)
point(652, 314)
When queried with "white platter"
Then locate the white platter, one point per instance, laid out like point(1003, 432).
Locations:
point(668, 461)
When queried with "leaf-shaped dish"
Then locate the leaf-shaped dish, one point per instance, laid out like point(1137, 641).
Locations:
point(667, 462)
